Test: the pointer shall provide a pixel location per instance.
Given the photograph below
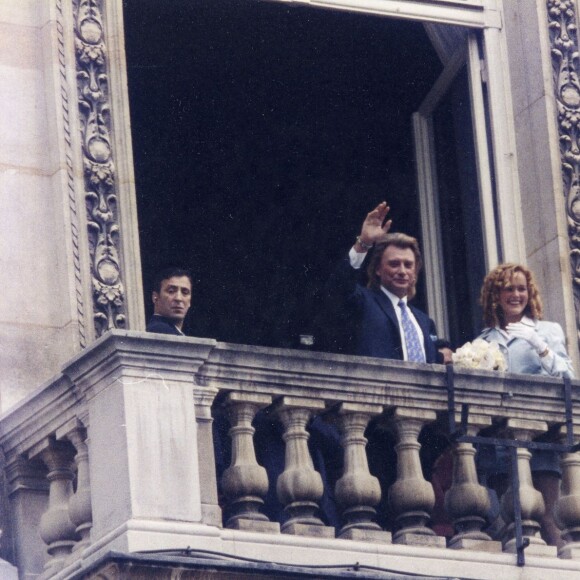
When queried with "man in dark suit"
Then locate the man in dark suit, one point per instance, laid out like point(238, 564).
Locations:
point(377, 321)
point(384, 324)
point(171, 300)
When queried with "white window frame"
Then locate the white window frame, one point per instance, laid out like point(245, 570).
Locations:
point(472, 13)
point(427, 183)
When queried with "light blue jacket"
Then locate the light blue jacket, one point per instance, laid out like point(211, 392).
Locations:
point(521, 357)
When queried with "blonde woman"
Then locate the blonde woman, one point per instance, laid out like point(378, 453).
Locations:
point(512, 312)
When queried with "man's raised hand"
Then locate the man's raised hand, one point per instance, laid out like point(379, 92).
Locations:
point(373, 229)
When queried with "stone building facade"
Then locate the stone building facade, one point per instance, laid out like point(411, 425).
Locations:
point(73, 303)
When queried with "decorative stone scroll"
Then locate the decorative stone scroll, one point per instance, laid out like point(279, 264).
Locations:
point(98, 165)
point(562, 24)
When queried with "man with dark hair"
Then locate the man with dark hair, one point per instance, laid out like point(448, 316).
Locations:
point(171, 300)
point(384, 324)
point(171, 297)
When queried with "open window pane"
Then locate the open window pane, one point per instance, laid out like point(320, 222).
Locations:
point(459, 206)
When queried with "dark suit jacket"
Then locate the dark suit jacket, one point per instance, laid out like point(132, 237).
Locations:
point(162, 325)
point(374, 318)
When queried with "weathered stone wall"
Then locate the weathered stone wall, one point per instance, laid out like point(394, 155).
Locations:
point(39, 325)
point(70, 264)
point(534, 33)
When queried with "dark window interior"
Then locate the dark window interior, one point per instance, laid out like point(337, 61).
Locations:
point(262, 135)
point(460, 211)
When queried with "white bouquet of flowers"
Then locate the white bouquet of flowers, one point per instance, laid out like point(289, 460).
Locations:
point(480, 354)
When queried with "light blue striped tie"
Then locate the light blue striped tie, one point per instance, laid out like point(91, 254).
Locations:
point(414, 350)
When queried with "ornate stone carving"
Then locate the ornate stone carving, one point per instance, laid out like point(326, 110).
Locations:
point(564, 46)
point(99, 168)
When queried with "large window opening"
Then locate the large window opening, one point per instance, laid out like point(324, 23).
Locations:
point(262, 135)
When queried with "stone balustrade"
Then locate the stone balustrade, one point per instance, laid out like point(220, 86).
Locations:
point(118, 454)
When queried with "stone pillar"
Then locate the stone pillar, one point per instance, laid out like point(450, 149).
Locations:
point(211, 513)
point(357, 492)
point(80, 509)
point(467, 502)
point(532, 503)
point(145, 400)
point(568, 507)
point(300, 486)
point(411, 497)
point(145, 432)
point(56, 529)
point(28, 496)
point(244, 482)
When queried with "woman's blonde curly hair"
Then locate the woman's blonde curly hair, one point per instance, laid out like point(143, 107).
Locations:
point(499, 278)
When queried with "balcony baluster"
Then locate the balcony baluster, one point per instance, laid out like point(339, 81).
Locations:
point(567, 510)
point(210, 509)
point(245, 482)
point(300, 486)
point(80, 510)
point(467, 502)
point(56, 529)
point(532, 503)
point(357, 492)
point(411, 497)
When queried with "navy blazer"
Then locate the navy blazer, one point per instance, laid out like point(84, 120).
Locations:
point(162, 325)
point(373, 314)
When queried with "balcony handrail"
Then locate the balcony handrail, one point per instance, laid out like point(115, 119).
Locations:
point(331, 377)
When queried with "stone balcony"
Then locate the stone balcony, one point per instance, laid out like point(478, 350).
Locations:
point(116, 458)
